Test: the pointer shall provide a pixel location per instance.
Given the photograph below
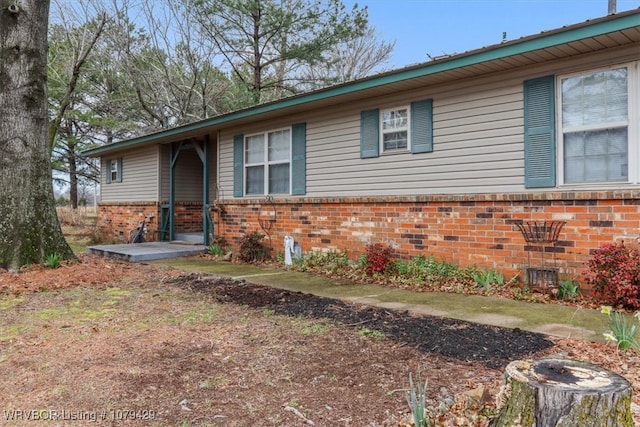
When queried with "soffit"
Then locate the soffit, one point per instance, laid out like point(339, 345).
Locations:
point(590, 45)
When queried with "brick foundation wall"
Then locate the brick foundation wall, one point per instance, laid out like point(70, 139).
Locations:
point(188, 217)
point(118, 219)
point(467, 230)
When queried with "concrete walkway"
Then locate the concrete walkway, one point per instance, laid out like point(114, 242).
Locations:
point(551, 319)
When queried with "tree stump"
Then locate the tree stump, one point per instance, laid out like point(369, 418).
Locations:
point(563, 393)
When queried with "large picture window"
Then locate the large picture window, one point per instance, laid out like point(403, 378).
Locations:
point(267, 159)
point(594, 126)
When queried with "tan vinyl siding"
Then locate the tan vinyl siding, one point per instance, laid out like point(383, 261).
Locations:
point(165, 161)
point(188, 177)
point(225, 160)
point(139, 177)
point(478, 144)
point(476, 148)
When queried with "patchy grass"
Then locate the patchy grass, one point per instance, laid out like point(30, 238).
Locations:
point(108, 336)
point(149, 347)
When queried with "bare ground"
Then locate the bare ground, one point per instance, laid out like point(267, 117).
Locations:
point(110, 343)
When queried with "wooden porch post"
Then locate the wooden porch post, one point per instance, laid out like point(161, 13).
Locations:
point(172, 188)
point(205, 191)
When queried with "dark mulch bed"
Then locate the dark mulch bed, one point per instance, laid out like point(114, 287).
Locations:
point(492, 346)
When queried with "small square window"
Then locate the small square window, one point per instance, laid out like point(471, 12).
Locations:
point(394, 129)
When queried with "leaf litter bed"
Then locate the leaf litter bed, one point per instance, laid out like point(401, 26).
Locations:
point(120, 341)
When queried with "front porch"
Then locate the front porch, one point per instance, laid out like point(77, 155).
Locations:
point(148, 251)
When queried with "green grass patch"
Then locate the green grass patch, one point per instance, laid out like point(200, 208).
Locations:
point(10, 332)
point(11, 302)
point(78, 244)
point(366, 332)
point(198, 316)
point(315, 328)
point(72, 313)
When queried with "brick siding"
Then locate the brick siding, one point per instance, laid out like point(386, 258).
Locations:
point(118, 219)
point(188, 217)
point(476, 230)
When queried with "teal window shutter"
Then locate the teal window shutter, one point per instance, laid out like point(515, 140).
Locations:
point(369, 134)
point(539, 133)
point(108, 167)
point(422, 126)
point(238, 166)
point(119, 170)
point(299, 159)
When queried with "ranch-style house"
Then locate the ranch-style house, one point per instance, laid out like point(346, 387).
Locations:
point(449, 158)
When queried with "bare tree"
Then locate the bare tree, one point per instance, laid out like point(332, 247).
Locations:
point(350, 60)
point(120, 69)
point(168, 64)
point(29, 226)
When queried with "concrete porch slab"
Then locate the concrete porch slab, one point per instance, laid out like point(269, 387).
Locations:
point(148, 251)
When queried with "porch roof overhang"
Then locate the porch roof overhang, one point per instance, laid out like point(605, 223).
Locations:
point(615, 30)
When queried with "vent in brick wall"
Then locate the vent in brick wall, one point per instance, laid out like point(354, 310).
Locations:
point(543, 277)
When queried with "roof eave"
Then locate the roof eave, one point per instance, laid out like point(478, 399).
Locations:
point(533, 43)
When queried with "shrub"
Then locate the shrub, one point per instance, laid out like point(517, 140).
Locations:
point(252, 249)
point(98, 235)
point(362, 260)
point(614, 275)
point(378, 258)
point(427, 269)
point(329, 261)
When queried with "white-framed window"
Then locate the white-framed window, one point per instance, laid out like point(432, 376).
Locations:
point(596, 111)
point(394, 129)
point(403, 129)
point(114, 170)
point(267, 161)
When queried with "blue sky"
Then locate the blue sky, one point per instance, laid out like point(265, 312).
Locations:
point(438, 27)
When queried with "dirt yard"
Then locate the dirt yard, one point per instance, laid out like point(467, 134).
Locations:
point(109, 343)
